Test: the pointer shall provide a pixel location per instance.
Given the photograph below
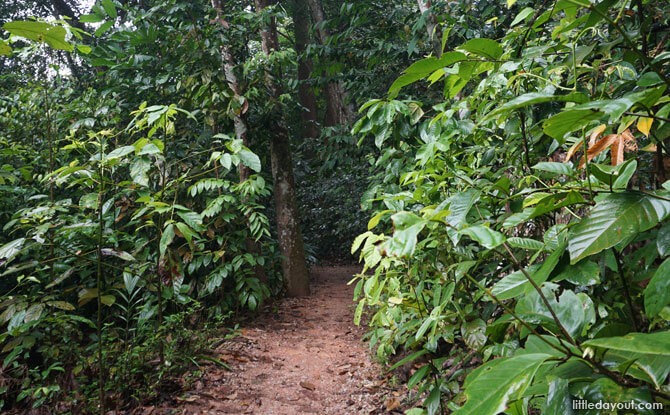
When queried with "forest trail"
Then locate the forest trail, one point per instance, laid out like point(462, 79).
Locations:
point(305, 357)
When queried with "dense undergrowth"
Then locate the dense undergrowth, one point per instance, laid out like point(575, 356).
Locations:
point(520, 274)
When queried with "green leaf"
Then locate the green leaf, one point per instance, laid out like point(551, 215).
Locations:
point(409, 358)
point(484, 235)
point(110, 8)
point(85, 49)
point(9, 250)
point(568, 308)
point(103, 28)
point(522, 16)
point(120, 152)
point(554, 167)
point(459, 205)
point(432, 402)
point(91, 18)
point(491, 386)
point(657, 293)
point(483, 47)
point(663, 240)
point(558, 399)
point(525, 243)
point(649, 79)
point(138, 171)
point(250, 160)
point(584, 272)
point(614, 218)
point(533, 98)
point(431, 64)
point(53, 36)
point(563, 123)
point(516, 283)
point(5, 49)
point(407, 227)
point(166, 239)
point(119, 254)
point(474, 333)
point(646, 343)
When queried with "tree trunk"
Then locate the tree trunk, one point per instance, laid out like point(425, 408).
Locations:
point(288, 227)
point(431, 23)
point(241, 129)
point(308, 115)
point(336, 111)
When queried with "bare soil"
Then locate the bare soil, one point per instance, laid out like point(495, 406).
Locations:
point(304, 357)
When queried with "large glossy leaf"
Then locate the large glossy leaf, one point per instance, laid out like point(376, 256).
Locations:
point(516, 283)
point(645, 343)
point(568, 308)
point(53, 36)
point(663, 240)
point(459, 205)
point(483, 47)
point(657, 293)
point(407, 227)
point(10, 250)
point(491, 386)
point(486, 236)
point(558, 399)
point(250, 160)
point(563, 123)
point(533, 98)
point(647, 367)
point(614, 218)
point(584, 272)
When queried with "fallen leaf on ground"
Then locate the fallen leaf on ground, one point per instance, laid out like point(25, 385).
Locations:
point(308, 385)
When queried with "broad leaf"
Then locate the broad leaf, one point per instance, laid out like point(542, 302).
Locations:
point(250, 160)
point(616, 217)
point(53, 36)
point(484, 235)
point(407, 227)
point(646, 343)
point(491, 386)
point(483, 47)
point(657, 293)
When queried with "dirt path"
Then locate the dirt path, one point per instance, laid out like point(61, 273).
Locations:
point(305, 358)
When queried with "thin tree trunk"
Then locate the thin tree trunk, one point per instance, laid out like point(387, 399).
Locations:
point(241, 130)
point(336, 111)
point(308, 115)
point(431, 23)
point(288, 228)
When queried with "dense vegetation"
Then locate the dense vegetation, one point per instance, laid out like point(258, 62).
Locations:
point(513, 160)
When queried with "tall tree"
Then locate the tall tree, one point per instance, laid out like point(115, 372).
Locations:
point(288, 227)
point(431, 24)
point(336, 110)
point(306, 96)
point(241, 129)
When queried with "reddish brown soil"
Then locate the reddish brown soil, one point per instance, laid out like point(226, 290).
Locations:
point(305, 357)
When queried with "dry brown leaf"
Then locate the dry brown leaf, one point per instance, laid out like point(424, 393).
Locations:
point(392, 404)
point(572, 151)
point(600, 146)
point(308, 385)
point(630, 143)
point(596, 133)
point(617, 151)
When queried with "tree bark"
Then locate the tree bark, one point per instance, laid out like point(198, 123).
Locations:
point(336, 111)
point(308, 115)
point(241, 130)
point(431, 23)
point(288, 227)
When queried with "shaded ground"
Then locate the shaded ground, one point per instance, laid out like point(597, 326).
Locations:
point(304, 358)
